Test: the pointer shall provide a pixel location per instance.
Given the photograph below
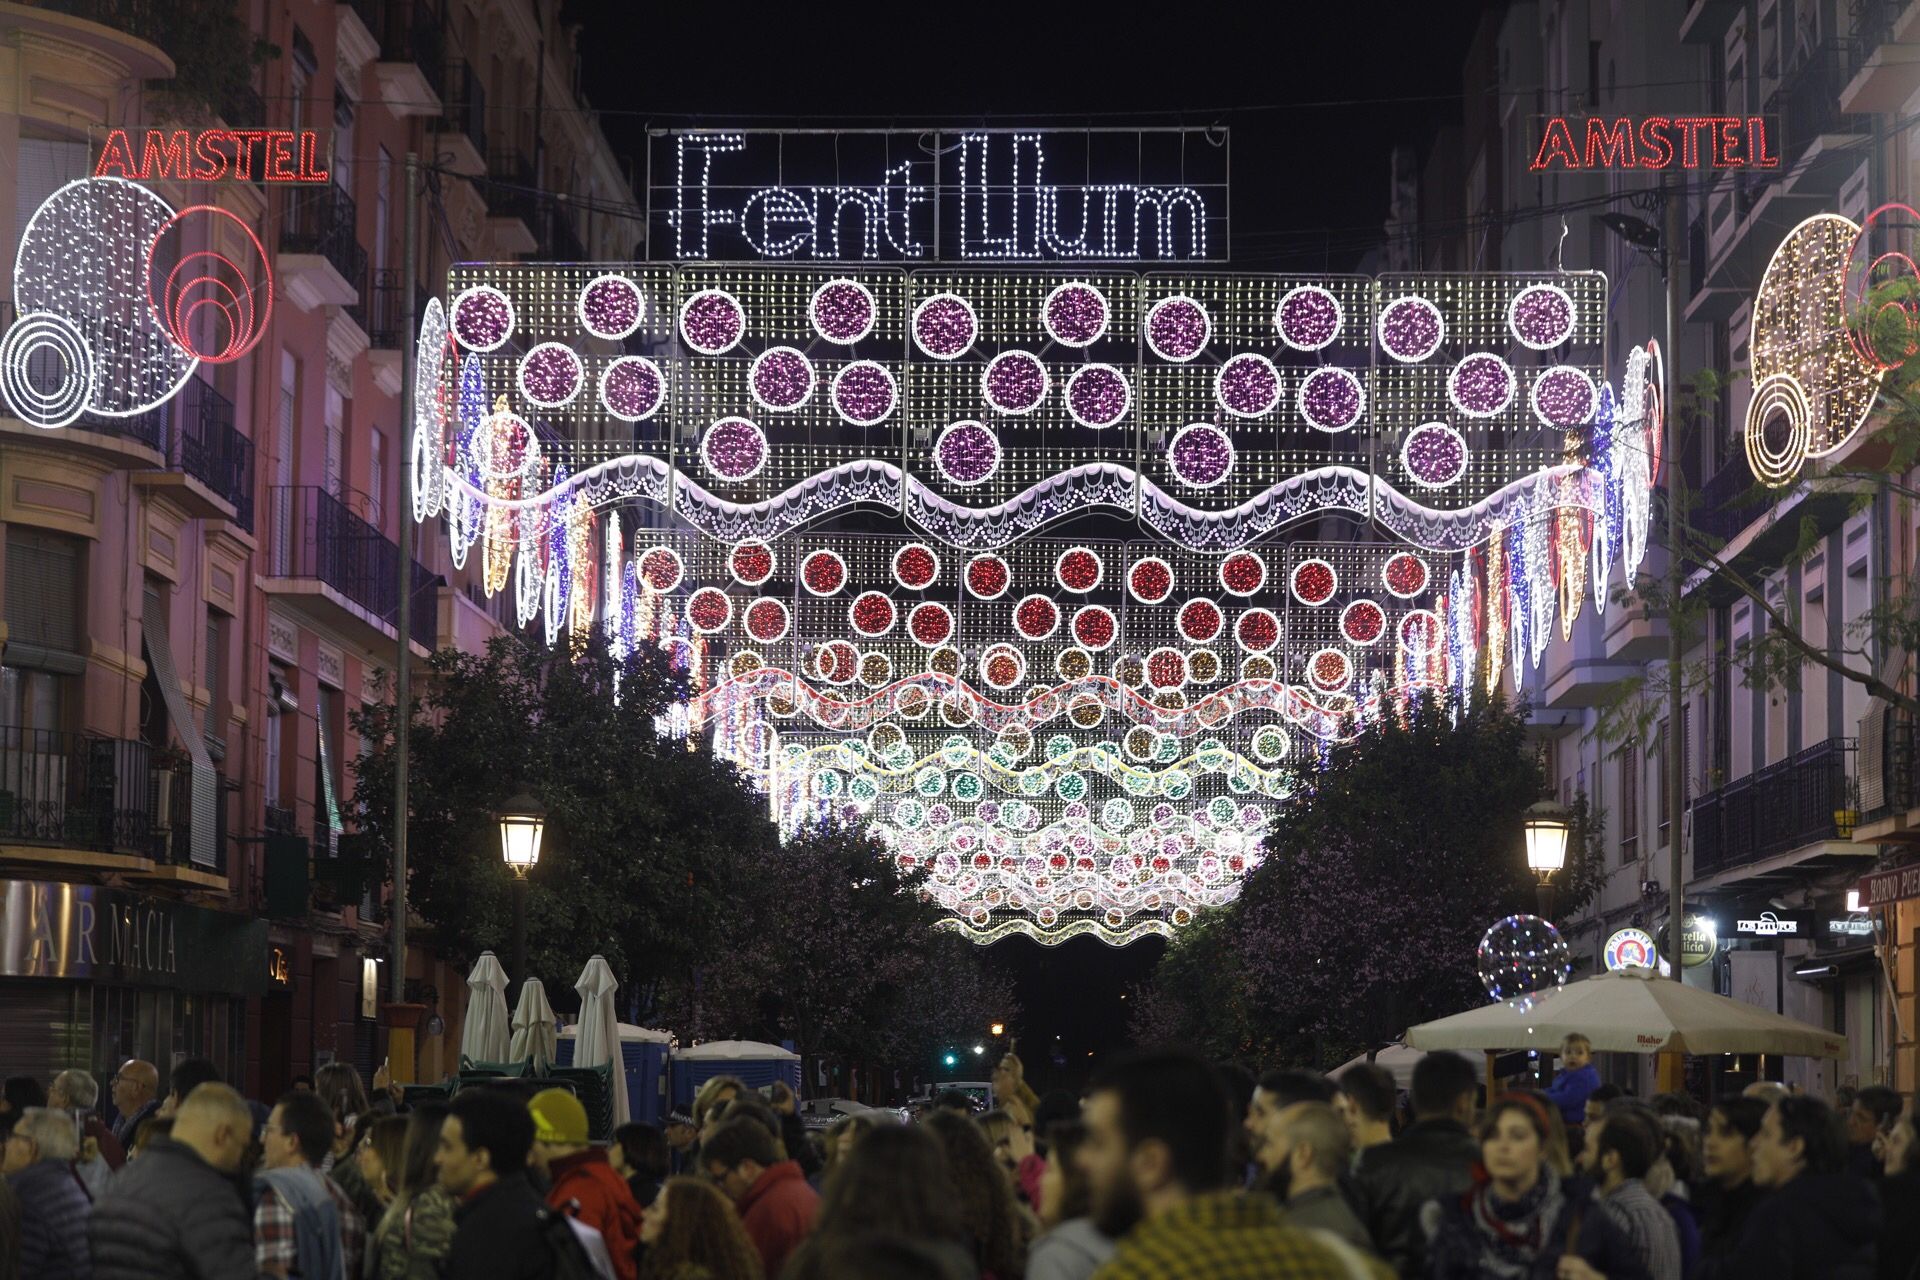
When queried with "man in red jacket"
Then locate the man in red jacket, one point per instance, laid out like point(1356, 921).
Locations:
point(776, 1205)
point(585, 1184)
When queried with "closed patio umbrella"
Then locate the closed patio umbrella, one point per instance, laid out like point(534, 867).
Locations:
point(1631, 1011)
point(485, 1035)
point(534, 1034)
point(597, 1040)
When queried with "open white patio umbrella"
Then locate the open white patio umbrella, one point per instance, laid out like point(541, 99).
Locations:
point(484, 1035)
point(1631, 1011)
point(597, 1039)
point(534, 1034)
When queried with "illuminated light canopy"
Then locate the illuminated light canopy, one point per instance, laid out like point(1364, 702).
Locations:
point(1331, 399)
point(1314, 582)
point(1098, 396)
point(864, 393)
point(1247, 385)
point(1075, 314)
point(1178, 328)
point(1308, 318)
point(915, 566)
point(482, 318)
point(1410, 329)
point(1015, 382)
point(988, 577)
point(967, 453)
point(781, 379)
point(611, 306)
point(712, 322)
point(1201, 455)
point(1541, 317)
point(945, 327)
point(843, 311)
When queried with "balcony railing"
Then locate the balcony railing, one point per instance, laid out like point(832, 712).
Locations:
point(172, 819)
point(211, 450)
point(466, 109)
point(408, 31)
point(1872, 27)
point(321, 219)
point(1807, 104)
point(384, 306)
point(74, 791)
point(510, 189)
point(1796, 802)
point(315, 536)
point(278, 820)
point(1728, 502)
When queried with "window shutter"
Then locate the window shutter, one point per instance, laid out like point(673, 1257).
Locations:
point(43, 590)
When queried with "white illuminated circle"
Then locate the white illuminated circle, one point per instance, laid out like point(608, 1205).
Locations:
point(945, 326)
point(781, 378)
point(1778, 429)
point(487, 442)
point(1308, 318)
point(1247, 385)
point(611, 306)
point(1003, 369)
point(1420, 630)
point(632, 388)
point(864, 393)
point(1330, 670)
point(1178, 328)
point(46, 369)
point(482, 318)
point(1541, 316)
point(836, 311)
point(1091, 392)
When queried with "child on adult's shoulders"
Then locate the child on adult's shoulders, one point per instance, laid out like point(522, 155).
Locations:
point(1575, 1079)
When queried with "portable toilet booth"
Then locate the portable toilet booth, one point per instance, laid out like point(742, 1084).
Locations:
point(758, 1065)
point(644, 1052)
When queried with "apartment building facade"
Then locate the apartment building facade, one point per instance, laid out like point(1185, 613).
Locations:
point(200, 597)
point(1790, 793)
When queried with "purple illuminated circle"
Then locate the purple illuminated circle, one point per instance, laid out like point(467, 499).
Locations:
point(1541, 316)
point(1178, 328)
point(1308, 318)
point(550, 375)
point(842, 311)
point(967, 453)
point(864, 393)
point(1482, 385)
point(1563, 397)
point(1411, 329)
point(712, 321)
point(482, 318)
point(611, 306)
point(781, 378)
point(1201, 455)
point(1075, 315)
point(632, 388)
point(734, 449)
point(1098, 396)
point(1331, 399)
point(1015, 382)
point(1247, 385)
point(944, 326)
point(1434, 455)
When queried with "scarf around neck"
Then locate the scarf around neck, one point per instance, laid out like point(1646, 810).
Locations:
point(1513, 1233)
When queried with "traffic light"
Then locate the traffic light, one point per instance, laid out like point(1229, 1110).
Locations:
point(952, 1060)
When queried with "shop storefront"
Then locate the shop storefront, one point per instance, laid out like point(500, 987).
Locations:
point(92, 975)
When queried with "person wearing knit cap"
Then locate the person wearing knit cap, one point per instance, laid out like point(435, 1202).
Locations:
point(585, 1183)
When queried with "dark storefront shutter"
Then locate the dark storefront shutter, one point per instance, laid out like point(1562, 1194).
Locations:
point(45, 1033)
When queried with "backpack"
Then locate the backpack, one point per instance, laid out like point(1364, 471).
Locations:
point(577, 1251)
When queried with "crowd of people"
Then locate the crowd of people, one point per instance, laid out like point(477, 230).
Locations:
point(1165, 1167)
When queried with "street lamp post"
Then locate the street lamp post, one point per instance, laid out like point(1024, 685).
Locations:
point(1546, 830)
point(522, 824)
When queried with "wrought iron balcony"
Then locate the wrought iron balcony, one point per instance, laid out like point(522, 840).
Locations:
point(321, 220)
point(408, 31)
point(211, 450)
point(316, 538)
point(510, 188)
point(73, 791)
point(383, 312)
point(1797, 802)
point(1728, 502)
point(172, 815)
point(466, 105)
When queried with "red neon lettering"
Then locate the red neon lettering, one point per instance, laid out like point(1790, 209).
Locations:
point(1556, 144)
point(210, 161)
point(1610, 144)
point(1726, 142)
point(280, 161)
point(310, 171)
point(116, 157)
point(1757, 152)
point(173, 153)
point(1656, 147)
point(1690, 127)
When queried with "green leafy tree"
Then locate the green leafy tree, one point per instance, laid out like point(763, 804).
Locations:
point(1377, 883)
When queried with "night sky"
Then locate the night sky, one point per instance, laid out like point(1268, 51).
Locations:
point(1315, 103)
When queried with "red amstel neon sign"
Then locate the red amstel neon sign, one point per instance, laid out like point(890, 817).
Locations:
point(1655, 142)
point(210, 155)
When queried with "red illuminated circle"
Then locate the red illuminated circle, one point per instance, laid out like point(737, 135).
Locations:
point(708, 610)
point(1330, 670)
point(930, 624)
point(661, 569)
point(239, 293)
point(1314, 582)
point(1257, 631)
point(767, 620)
point(1199, 620)
point(1363, 622)
point(988, 577)
point(1150, 581)
point(1002, 666)
point(872, 614)
point(915, 566)
point(1405, 575)
point(1078, 570)
point(823, 572)
point(1243, 573)
point(1166, 668)
point(836, 662)
point(1036, 617)
point(1420, 630)
point(1094, 627)
point(751, 563)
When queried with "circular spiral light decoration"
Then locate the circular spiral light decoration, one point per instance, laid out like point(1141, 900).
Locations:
point(239, 295)
point(46, 369)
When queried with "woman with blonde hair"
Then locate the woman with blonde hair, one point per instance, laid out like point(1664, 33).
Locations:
point(692, 1233)
point(707, 1101)
point(1010, 1085)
